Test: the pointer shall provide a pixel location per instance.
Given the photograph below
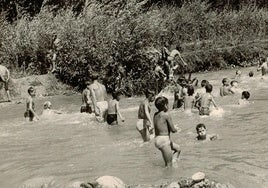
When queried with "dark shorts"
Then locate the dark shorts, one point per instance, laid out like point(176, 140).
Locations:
point(204, 111)
point(111, 118)
point(29, 114)
point(178, 103)
point(86, 109)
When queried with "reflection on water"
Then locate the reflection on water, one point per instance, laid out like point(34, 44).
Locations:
point(73, 147)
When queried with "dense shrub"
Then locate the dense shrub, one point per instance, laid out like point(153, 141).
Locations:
point(104, 38)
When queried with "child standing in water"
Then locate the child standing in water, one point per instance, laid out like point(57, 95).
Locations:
point(113, 109)
point(163, 126)
point(189, 100)
point(86, 100)
point(225, 89)
point(145, 124)
point(206, 101)
point(30, 105)
point(263, 67)
point(244, 98)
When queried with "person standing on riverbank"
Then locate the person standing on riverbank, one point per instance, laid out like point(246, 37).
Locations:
point(4, 77)
point(98, 95)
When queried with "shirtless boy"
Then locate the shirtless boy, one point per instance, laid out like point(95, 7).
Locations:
point(86, 100)
point(30, 105)
point(4, 77)
point(202, 133)
point(263, 66)
point(113, 109)
point(163, 126)
point(225, 89)
point(206, 101)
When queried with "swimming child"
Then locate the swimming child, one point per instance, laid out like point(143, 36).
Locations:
point(113, 109)
point(263, 66)
point(163, 126)
point(202, 133)
point(145, 123)
point(225, 89)
point(30, 105)
point(234, 86)
point(238, 74)
point(251, 74)
point(47, 109)
point(206, 101)
point(244, 98)
point(189, 100)
point(86, 100)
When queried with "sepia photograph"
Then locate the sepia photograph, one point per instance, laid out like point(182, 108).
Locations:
point(133, 93)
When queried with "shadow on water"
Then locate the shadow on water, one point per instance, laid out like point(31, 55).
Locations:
point(74, 147)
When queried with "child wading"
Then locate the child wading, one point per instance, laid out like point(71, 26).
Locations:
point(206, 101)
point(113, 109)
point(163, 126)
point(145, 124)
point(30, 106)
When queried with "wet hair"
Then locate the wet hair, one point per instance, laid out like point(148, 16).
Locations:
point(149, 92)
point(30, 89)
point(94, 76)
point(160, 103)
point(233, 81)
point(178, 47)
point(190, 90)
point(246, 94)
point(200, 125)
point(224, 80)
point(47, 104)
point(115, 94)
point(209, 88)
point(262, 59)
point(204, 83)
point(251, 73)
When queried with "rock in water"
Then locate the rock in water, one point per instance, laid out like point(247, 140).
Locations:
point(174, 185)
point(199, 176)
point(110, 182)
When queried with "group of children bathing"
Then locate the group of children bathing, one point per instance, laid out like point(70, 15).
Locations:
point(161, 124)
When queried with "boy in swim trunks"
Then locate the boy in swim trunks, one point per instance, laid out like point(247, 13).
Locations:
point(189, 100)
point(206, 101)
point(163, 126)
point(86, 100)
point(113, 109)
point(145, 123)
point(225, 89)
point(4, 77)
point(30, 105)
point(202, 133)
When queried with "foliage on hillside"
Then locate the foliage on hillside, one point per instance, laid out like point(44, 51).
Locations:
point(105, 37)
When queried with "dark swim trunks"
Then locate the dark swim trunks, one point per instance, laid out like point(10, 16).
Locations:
point(86, 109)
point(111, 118)
point(29, 114)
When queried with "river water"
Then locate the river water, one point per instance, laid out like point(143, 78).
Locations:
point(73, 147)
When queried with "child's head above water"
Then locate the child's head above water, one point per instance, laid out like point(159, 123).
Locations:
point(251, 74)
point(225, 81)
point(245, 95)
point(190, 90)
point(201, 131)
point(234, 83)
point(161, 103)
point(238, 72)
point(209, 88)
point(204, 83)
point(47, 105)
